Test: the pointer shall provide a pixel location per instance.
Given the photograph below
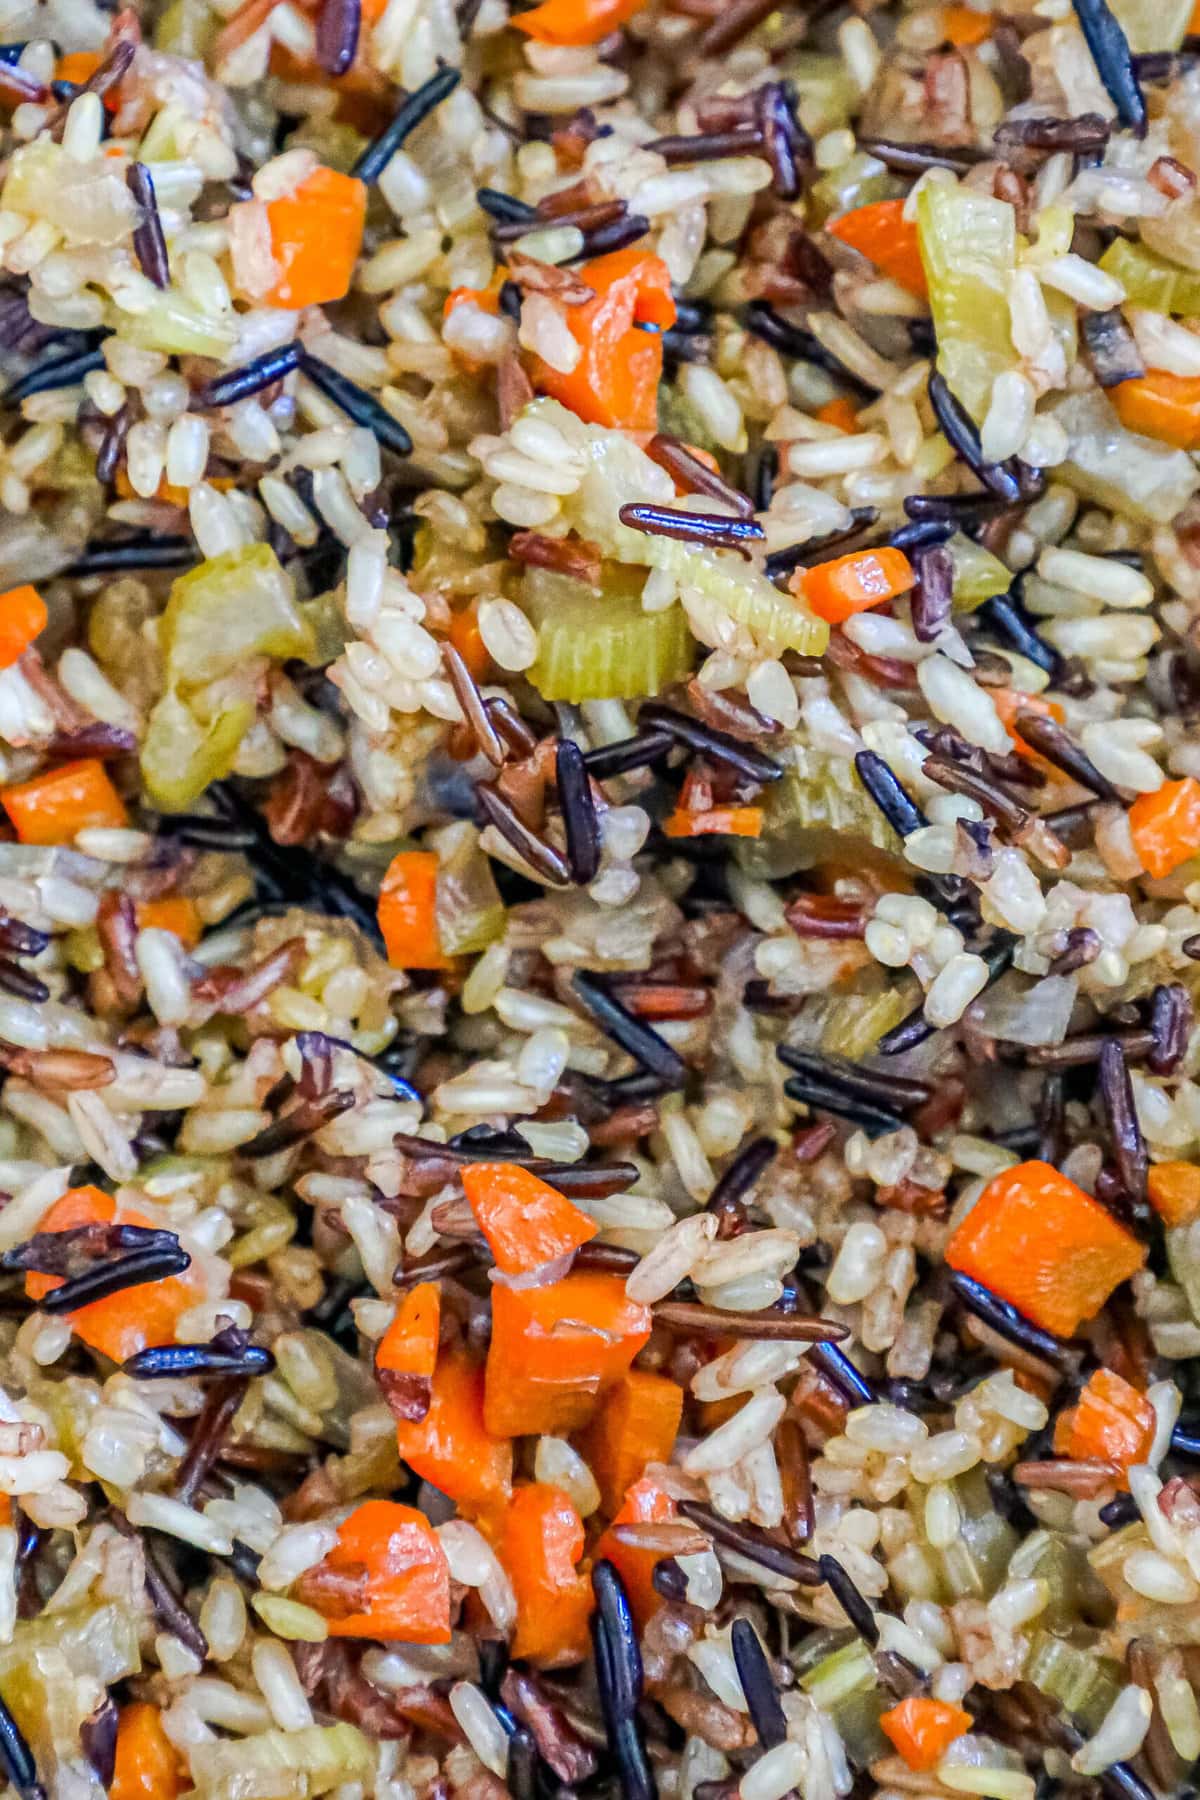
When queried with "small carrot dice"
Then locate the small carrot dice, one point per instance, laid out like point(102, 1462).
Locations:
point(645, 1503)
point(541, 1545)
point(852, 584)
point(526, 1222)
point(55, 807)
point(146, 1764)
point(386, 1577)
point(636, 1423)
point(1174, 1191)
point(555, 1348)
point(569, 23)
point(316, 235)
point(615, 381)
point(451, 1447)
point(1111, 1422)
point(408, 911)
point(175, 913)
point(880, 232)
point(838, 412)
point(1165, 826)
point(922, 1730)
point(22, 619)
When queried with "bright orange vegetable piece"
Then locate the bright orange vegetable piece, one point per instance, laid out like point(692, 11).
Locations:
point(1194, 22)
point(555, 1348)
point(53, 807)
point(1008, 703)
point(22, 618)
point(635, 1424)
point(137, 1317)
point(852, 584)
point(838, 412)
point(646, 1503)
point(615, 381)
point(1161, 406)
point(408, 912)
point(1165, 825)
point(146, 1765)
point(1045, 1246)
point(526, 1222)
point(570, 22)
point(409, 1346)
point(882, 234)
point(1174, 1191)
point(173, 913)
point(316, 233)
point(1111, 1423)
point(922, 1730)
point(451, 1447)
point(540, 1548)
point(396, 1576)
point(964, 26)
point(715, 821)
point(465, 635)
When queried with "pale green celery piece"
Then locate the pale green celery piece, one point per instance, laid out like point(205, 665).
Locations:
point(826, 94)
point(817, 809)
point(598, 644)
point(1182, 1244)
point(176, 325)
point(232, 608)
point(1151, 280)
point(968, 246)
point(181, 755)
point(161, 140)
point(1153, 24)
point(975, 1564)
point(1132, 475)
point(186, 28)
point(859, 181)
point(846, 1686)
point(1083, 1682)
point(858, 1020)
point(83, 950)
point(87, 201)
point(50, 1673)
point(322, 1756)
point(326, 623)
point(679, 418)
point(470, 912)
point(1062, 1564)
point(978, 575)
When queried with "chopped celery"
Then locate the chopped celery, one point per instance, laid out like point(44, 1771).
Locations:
point(1134, 475)
point(1084, 1683)
point(975, 1564)
point(181, 755)
point(53, 1668)
point(470, 912)
point(1061, 1562)
point(858, 181)
point(231, 608)
point(978, 575)
point(599, 644)
point(87, 201)
point(178, 326)
point(968, 246)
point(293, 1765)
point(817, 809)
point(846, 1686)
point(1153, 24)
point(826, 92)
point(1151, 280)
point(858, 1020)
point(678, 416)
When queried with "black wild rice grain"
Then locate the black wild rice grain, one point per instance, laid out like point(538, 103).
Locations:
point(578, 808)
point(849, 1599)
point(1049, 739)
point(520, 1775)
point(505, 209)
point(98, 1740)
point(732, 24)
point(542, 857)
point(1157, 66)
point(617, 234)
point(1009, 622)
point(921, 534)
point(707, 146)
point(845, 1377)
point(752, 1542)
point(127, 554)
point(690, 527)
point(823, 1096)
point(1085, 1047)
point(55, 372)
point(961, 434)
point(1111, 347)
point(1119, 1511)
point(1085, 135)
point(229, 1353)
point(902, 813)
point(915, 159)
point(18, 981)
point(208, 1436)
point(762, 321)
point(878, 1086)
point(932, 595)
point(300, 1123)
point(1005, 1319)
point(19, 938)
point(251, 378)
point(766, 1325)
point(628, 754)
point(149, 244)
point(1170, 1028)
point(669, 1580)
point(758, 1684)
point(338, 26)
point(786, 144)
point(75, 1251)
point(694, 475)
point(1110, 52)
point(16, 1758)
point(619, 1680)
point(959, 509)
point(751, 1162)
point(112, 445)
point(634, 1036)
point(718, 745)
point(766, 471)
point(127, 1271)
point(356, 403)
point(466, 692)
point(412, 109)
point(1116, 1095)
point(1082, 947)
point(167, 1601)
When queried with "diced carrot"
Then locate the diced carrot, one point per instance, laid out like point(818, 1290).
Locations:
point(882, 234)
point(1193, 24)
point(716, 821)
point(540, 1548)
point(575, 22)
point(408, 911)
point(636, 1423)
point(1008, 703)
point(1045, 1246)
point(645, 1503)
point(555, 1348)
point(77, 66)
point(838, 412)
point(451, 1447)
point(386, 1577)
point(1161, 406)
point(1174, 1191)
point(465, 635)
point(615, 381)
point(22, 619)
point(922, 1730)
point(134, 1319)
point(146, 1764)
point(526, 1222)
point(406, 1355)
point(487, 299)
point(6, 1510)
point(963, 26)
point(52, 808)
point(1165, 826)
point(173, 913)
point(1111, 1423)
point(851, 584)
point(316, 233)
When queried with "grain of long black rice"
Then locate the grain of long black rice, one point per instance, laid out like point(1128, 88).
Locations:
point(12, 53)
point(933, 592)
point(959, 430)
point(752, 1542)
point(409, 114)
point(19, 938)
point(622, 1655)
point(167, 1601)
point(17, 1764)
point(669, 1580)
point(112, 444)
point(208, 1435)
point(921, 534)
point(900, 1093)
point(1004, 1318)
point(127, 1271)
point(301, 1122)
point(542, 857)
point(580, 824)
point(650, 1051)
point(72, 1252)
point(250, 378)
point(720, 746)
point(696, 476)
point(1084, 135)
point(338, 26)
point(849, 1599)
point(356, 403)
point(171, 1362)
point(1008, 621)
point(1114, 64)
point(149, 243)
point(898, 808)
point(98, 1740)
point(617, 234)
point(521, 1769)
point(786, 144)
point(691, 527)
point(781, 563)
point(1119, 1511)
point(1156, 66)
point(834, 1362)
point(629, 753)
point(762, 321)
point(751, 1162)
point(758, 1684)
point(1057, 746)
point(1170, 1027)
point(505, 209)
point(141, 552)
point(823, 1096)
point(1111, 347)
point(18, 981)
point(708, 146)
point(466, 692)
point(914, 159)
point(1116, 1096)
point(55, 372)
point(959, 509)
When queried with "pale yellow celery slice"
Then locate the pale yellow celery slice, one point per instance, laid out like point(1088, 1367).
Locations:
point(284, 1763)
point(1152, 280)
point(1153, 24)
point(178, 326)
point(1082, 1681)
point(846, 1686)
point(1133, 475)
point(470, 912)
point(181, 755)
point(968, 246)
point(87, 201)
point(818, 809)
point(597, 643)
point(978, 575)
point(232, 608)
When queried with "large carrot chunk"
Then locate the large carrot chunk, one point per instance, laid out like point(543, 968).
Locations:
point(1111, 1423)
point(386, 1577)
point(52, 808)
point(408, 911)
point(923, 1730)
point(615, 382)
point(555, 1348)
point(1165, 826)
point(1162, 406)
point(526, 1222)
point(451, 1447)
point(316, 234)
point(636, 1423)
point(1045, 1246)
point(540, 1549)
point(146, 1765)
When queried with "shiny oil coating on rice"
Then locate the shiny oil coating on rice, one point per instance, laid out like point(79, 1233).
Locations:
point(599, 900)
